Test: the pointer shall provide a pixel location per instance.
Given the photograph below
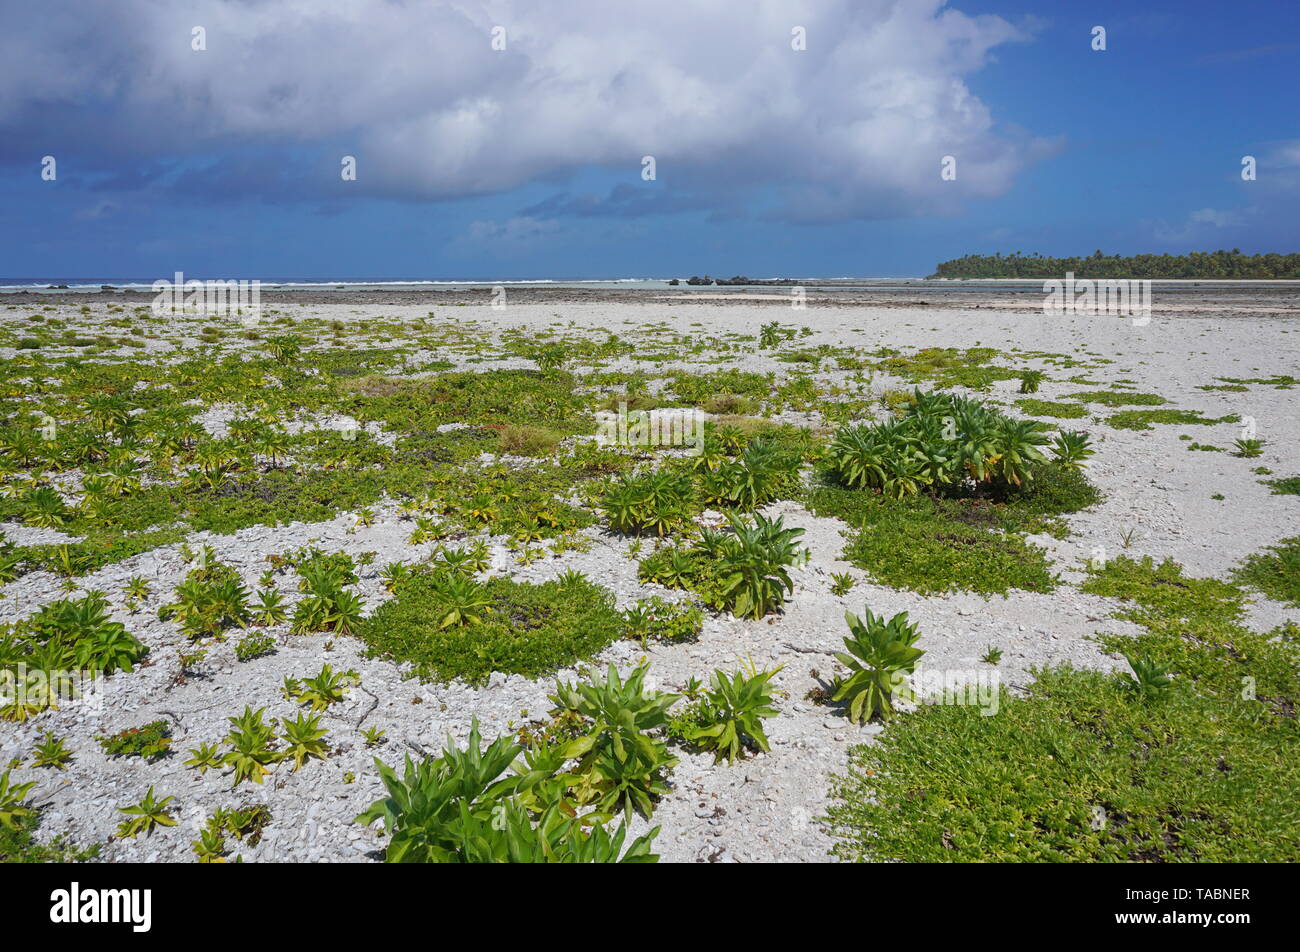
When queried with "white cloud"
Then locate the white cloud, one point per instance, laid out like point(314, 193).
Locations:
point(1202, 224)
point(1285, 155)
point(855, 126)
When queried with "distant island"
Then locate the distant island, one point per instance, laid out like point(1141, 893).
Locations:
point(1222, 265)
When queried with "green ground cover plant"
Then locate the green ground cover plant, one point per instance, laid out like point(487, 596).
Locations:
point(1289, 486)
point(1053, 408)
point(1117, 398)
point(945, 366)
point(1177, 761)
point(1081, 769)
point(63, 636)
point(519, 628)
point(147, 741)
point(1275, 572)
point(1142, 419)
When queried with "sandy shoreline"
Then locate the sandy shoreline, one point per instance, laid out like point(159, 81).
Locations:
point(1171, 298)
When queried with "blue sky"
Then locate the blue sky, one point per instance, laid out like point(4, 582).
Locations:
point(523, 163)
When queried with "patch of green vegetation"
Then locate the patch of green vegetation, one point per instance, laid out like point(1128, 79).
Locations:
point(946, 366)
point(1092, 767)
point(1052, 408)
point(500, 397)
point(698, 389)
point(913, 545)
point(1142, 419)
point(148, 741)
point(447, 632)
point(1281, 381)
point(1275, 572)
point(1290, 486)
point(942, 497)
point(18, 844)
point(1118, 398)
point(744, 571)
point(1193, 628)
point(1083, 769)
point(932, 544)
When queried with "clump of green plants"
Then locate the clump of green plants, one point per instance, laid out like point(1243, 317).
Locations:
point(1192, 628)
point(15, 808)
point(145, 816)
point(772, 334)
point(1118, 398)
point(621, 764)
point(1148, 679)
point(148, 741)
point(763, 472)
point(728, 718)
point(1249, 448)
point(879, 655)
point(205, 757)
point(1290, 486)
point(325, 689)
point(949, 443)
point(841, 583)
point(328, 605)
point(1030, 380)
point(934, 513)
point(459, 808)
point(933, 545)
point(253, 749)
point(52, 752)
point(304, 739)
point(245, 824)
point(211, 599)
point(658, 618)
point(254, 645)
point(1070, 772)
point(63, 636)
point(655, 502)
point(529, 629)
point(744, 571)
point(137, 590)
point(269, 609)
point(1142, 419)
point(18, 843)
point(946, 366)
point(459, 600)
point(1053, 408)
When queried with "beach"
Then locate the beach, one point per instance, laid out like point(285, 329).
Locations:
point(1225, 354)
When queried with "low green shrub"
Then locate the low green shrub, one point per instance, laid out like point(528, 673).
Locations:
point(950, 443)
point(1080, 769)
point(148, 741)
point(744, 571)
point(1275, 572)
point(522, 629)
